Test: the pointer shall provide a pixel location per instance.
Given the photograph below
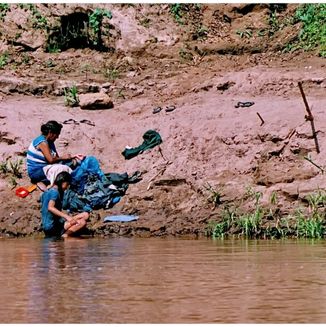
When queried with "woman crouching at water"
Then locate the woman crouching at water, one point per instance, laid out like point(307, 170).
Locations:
point(54, 221)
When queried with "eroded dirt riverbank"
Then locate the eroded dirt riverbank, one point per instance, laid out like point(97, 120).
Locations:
point(207, 140)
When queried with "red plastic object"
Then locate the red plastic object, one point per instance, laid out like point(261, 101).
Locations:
point(22, 192)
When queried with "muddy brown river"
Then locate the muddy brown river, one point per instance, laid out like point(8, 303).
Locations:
point(125, 280)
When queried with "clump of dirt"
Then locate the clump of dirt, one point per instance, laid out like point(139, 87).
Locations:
point(204, 61)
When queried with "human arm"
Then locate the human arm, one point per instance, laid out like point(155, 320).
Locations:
point(59, 213)
point(45, 148)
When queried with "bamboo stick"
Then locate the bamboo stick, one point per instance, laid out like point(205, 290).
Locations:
point(309, 117)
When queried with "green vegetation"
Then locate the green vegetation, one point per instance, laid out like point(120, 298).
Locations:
point(49, 63)
point(316, 200)
point(3, 60)
point(250, 223)
point(71, 96)
point(95, 23)
point(179, 10)
point(310, 227)
point(185, 55)
point(85, 69)
point(220, 229)
point(274, 24)
point(313, 32)
point(26, 59)
point(245, 33)
point(79, 30)
point(38, 20)
point(200, 33)
point(120, 93)
point(265, 223)
point(214, 195)
point(4, 7)
point(52, 47)
point(145, 21)
point(111, 73)
point(12, 167)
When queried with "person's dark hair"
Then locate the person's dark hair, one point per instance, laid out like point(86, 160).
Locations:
point(62, 177)
point(51, 126)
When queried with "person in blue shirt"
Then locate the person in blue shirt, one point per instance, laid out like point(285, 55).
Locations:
point(55, 222)
point(42, 152)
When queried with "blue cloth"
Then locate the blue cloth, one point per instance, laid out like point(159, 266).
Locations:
point(73, 202)
point(96, 195)
point(52, 225)
point(36, 160)
point(120, 218)
point(89, 166)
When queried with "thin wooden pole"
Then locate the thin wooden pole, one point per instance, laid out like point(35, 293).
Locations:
point(309, 117)
point(261, 119)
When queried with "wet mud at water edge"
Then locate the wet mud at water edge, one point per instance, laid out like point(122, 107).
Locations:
point(132, 280)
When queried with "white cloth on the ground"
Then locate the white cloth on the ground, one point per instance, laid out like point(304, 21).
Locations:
point(52, 171)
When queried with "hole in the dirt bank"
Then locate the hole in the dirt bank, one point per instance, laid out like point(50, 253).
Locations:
point(74, 31)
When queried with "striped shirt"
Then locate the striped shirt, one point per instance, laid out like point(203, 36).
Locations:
point(35, 157)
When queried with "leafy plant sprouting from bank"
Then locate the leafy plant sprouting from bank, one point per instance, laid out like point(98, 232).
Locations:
point(316, 201)
point(313, 32)
point(95, 23)
point(200, 33)
point(214, 195)
point(4, 168)
point(309, 227)
point(185, 55)
point(4, 7)
point(310, 223)
point(250, 223)
point(38, 20)
point(71, 96)
point(111, 73)
point(220, 229)
point(176, 9)
point(13, 168)
point(244, 33)
point(274, 24)
point(179, 9)
point(3, 60)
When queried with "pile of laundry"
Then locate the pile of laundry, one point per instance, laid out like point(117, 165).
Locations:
point(92, 189)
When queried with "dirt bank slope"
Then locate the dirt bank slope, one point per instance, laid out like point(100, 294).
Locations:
point(207, 140)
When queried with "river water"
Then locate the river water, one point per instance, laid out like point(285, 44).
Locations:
point(124, 280)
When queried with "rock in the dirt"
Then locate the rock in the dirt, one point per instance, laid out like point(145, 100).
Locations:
point(95, 101)
point(12, 84)
point(60, 86)
point(31, 40)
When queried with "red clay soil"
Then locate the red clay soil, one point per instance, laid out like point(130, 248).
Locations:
point(207, 139)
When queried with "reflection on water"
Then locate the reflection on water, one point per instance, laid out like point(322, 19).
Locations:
point(162, 281)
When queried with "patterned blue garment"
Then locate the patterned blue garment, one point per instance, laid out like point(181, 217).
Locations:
point(36, 160)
